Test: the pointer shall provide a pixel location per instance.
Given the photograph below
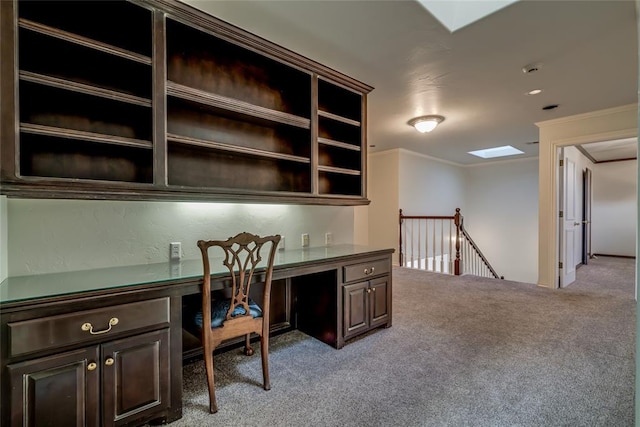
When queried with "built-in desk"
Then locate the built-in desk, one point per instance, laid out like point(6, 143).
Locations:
point(104, 346)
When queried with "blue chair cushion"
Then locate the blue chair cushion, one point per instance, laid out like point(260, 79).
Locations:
point(219, 310)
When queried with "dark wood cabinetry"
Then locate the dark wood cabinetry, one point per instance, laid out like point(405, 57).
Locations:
point(104, 385)
point(152, 99)
point(105, 366)
point(366, 303)
point(105, 347)
point(56, 390)
point(84, 92)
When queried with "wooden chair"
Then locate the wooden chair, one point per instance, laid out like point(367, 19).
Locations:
point(221, 319)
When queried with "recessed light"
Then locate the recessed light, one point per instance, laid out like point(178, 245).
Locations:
point(534, 92)
point(490, 153)
point(550, 107)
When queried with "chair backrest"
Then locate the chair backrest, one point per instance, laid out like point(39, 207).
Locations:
point(241, 257)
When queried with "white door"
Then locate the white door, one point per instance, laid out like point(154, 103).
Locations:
point(568, 222)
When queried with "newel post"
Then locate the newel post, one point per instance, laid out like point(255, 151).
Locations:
point(458, 222)
point(400, 255)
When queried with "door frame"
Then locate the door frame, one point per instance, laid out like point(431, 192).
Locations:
point(587, 195)
point(613, 123)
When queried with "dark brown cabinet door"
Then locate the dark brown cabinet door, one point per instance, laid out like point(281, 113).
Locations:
point(379, 301)
point(60, 390)
point(356, 308)
point(135, 377)
point(366, 305)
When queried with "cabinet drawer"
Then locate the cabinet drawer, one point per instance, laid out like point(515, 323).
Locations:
point(366, 270)
point(73, 328)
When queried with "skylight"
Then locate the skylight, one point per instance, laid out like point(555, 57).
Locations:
point(490, 153)
point(455, 14)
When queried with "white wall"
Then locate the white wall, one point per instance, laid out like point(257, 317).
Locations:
point(361, 225)
point(500, 198)
point(429, 186)
point(383, 193)
point(64, 235)
point(614, 208)
point(4, 269)
point(501, 215)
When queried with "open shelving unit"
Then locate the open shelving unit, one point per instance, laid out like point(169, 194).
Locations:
point(340, 140)
point(153, 99)
point(85, 108)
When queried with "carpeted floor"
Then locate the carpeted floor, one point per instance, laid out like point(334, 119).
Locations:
point(463, 351)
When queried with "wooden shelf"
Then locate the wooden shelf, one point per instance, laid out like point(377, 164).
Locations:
point(236, 106)
point(83, 41)
point(333, 143)
point(84, 136)
point(342, 171)
point(338, 118)
point(234, 148)
point(157, 100)
point(83, 88)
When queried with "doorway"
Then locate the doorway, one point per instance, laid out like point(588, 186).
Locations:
point(610, 168)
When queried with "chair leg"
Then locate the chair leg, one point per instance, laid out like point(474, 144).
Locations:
point(248, 350)
point(208, 363)
point(264, 351)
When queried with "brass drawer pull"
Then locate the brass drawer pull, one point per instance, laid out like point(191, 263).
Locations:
point(89, 327)
point(109, 361)
point(369, 271)
point(92, 366)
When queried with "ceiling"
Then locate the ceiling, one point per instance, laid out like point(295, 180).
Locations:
point(586, 53)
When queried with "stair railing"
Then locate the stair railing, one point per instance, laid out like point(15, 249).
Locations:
point(441, 244)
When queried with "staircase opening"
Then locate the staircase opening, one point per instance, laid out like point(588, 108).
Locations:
point(441, 244)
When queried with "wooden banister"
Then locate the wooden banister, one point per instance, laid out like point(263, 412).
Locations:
point(474, 253)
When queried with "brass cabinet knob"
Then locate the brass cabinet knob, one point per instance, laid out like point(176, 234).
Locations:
point(92, 366)
point(373, 289)
point(368, 291)
point(109, 361)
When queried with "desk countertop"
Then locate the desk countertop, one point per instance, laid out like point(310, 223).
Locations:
point(33, 287)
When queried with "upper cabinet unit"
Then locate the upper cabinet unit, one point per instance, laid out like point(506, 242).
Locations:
point(340, 140)
point(235, 119)
point(154, 99)
point(85, 109)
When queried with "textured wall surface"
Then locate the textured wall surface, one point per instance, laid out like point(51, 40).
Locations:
point(4, 269)
point(502, 215)
point(66, 235)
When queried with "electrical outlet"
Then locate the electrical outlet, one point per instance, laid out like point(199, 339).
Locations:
point(328, 239)
point(281, 245)
point(175, 251)
point(305, 240)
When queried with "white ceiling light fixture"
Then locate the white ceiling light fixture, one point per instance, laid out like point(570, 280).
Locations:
point(534, 92)
point(426, 123)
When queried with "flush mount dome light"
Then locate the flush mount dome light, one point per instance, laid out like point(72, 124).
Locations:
point(425, 123)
